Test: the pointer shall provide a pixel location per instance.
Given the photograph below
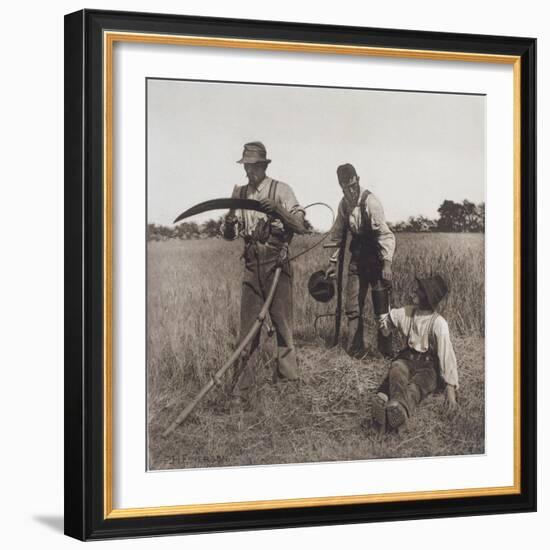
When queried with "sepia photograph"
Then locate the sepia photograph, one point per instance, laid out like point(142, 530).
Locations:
point(300, 274)
point(315, 286)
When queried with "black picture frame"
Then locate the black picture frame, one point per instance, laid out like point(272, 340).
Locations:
point(85, 497)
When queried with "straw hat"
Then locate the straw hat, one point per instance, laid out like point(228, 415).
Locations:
point(254, 152)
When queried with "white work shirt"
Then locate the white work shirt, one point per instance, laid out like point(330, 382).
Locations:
point(284, 196)
point(411, 321)
point(353, 219)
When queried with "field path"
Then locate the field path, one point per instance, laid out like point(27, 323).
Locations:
point(323, 417)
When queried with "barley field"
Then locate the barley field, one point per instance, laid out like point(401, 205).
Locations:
point(192, 327)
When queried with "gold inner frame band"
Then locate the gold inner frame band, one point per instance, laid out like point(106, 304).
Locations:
point(109, 39)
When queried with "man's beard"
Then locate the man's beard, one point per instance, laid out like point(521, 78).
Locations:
point(255, 179)
point(352, 197)
point(422, 304)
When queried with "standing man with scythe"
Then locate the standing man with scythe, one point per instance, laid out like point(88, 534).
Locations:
point(372, 246)
point(266, 240)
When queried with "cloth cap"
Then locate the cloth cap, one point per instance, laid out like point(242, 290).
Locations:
point(345, 172)
point(254, 152)
point(435, 288)
point(320, 288)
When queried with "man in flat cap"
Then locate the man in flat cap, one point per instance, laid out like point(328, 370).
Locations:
point(266, 240)
point(372, 246)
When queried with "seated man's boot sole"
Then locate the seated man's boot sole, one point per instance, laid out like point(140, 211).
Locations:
point(396, 414)
point(378, 412)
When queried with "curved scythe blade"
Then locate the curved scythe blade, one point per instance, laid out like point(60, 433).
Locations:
point(221, 204)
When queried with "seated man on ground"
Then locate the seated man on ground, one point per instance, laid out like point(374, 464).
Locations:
point(427, 362)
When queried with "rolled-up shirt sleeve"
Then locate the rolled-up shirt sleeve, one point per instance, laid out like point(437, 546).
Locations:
point(446, 353)
point(385, 324)
point(395, 319)
point(386, 239)
point(288, 200)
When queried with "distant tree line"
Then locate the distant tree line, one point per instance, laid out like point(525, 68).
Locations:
point(191, 230)
point(184, 230)
point(454, 217)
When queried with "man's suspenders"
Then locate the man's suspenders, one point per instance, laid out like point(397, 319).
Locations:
point(273, 189)
point(432, 344)
point(272, 194)
point(363, 204)
point(242, 195)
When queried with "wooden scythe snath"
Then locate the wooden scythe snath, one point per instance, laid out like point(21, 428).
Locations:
point(245, 204)
point(339, 283)
point(217, 378)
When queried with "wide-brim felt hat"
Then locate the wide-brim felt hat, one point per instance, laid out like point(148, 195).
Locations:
point(321, 288)
point(254, 152)
point(435, 289)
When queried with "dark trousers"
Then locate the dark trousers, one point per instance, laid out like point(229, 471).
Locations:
point(257, 280)
point(363, 272)
point(410, 379)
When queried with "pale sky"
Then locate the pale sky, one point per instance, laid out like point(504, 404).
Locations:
point(411, 149)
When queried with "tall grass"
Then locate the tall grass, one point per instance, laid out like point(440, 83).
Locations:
point(459, 258)
point(193, 302)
